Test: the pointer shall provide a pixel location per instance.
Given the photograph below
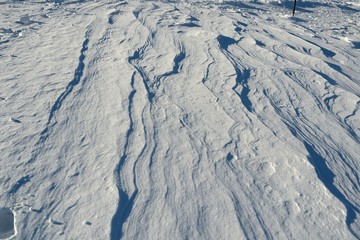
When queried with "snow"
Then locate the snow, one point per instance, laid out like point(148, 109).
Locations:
point(7, 228)
point(179, 120)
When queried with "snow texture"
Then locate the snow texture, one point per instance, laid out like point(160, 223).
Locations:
point(179, 120)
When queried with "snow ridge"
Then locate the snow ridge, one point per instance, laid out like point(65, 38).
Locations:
point(242, 73)
point(77, 77)
point(58, 102)
point(327, 177)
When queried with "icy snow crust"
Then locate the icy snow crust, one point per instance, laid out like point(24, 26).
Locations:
point(180, 120)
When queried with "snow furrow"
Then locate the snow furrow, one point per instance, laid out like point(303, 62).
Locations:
point(242, 72)
point(302, 131)
point(327, 177)
point(58, 102)
point(40, 145)
point(77, 77)
point(125, 200)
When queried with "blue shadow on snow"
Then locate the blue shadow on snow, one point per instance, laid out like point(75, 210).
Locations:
point(326, 176)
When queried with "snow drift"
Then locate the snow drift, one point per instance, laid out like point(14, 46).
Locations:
point(180, 119)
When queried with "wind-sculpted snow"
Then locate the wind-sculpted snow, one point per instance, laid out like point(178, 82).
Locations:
point(180, 120)
point(124, 209)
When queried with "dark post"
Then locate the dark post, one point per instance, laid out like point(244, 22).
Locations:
point(294, 7)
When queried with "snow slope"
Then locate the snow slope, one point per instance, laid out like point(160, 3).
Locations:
point(180, 120)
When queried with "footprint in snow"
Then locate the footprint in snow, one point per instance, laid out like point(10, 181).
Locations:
point(230, 157)
point(54, 222)
point(356, 45)
point(14, 120)
point(26, 20)
point(292, 208)
point(7, 223)
point(87, 223)
point(266, 169)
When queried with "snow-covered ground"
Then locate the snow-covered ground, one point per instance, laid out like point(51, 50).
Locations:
point(179, 120)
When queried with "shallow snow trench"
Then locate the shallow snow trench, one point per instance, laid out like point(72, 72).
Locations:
point(179, 120)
